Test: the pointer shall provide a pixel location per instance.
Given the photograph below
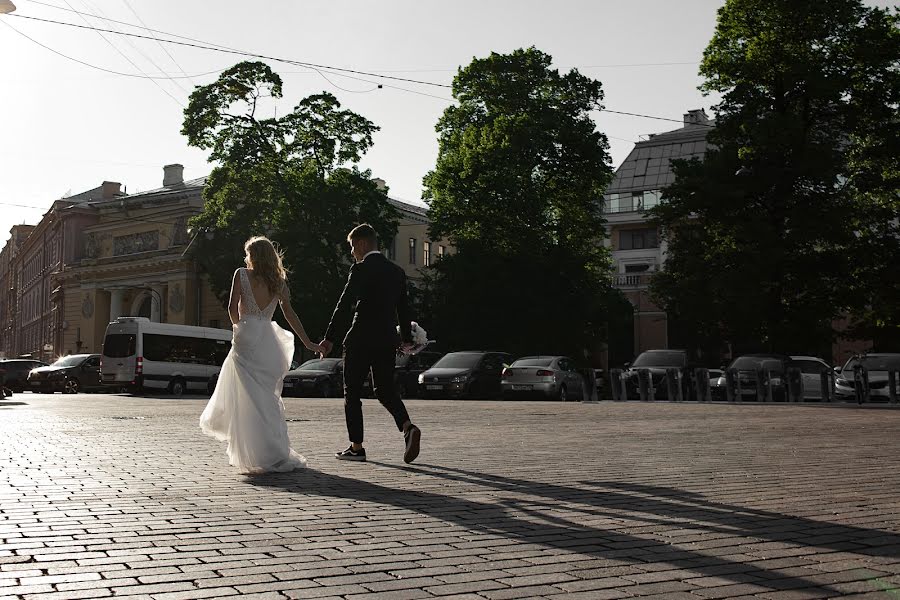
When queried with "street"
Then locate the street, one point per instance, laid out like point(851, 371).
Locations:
point(106, 495)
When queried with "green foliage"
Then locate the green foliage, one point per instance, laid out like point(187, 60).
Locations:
point(768, 259)
point(517, 188)
point(287, 178)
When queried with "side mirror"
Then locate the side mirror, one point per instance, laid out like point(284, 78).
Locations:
point(837, 370)
point(626, 365)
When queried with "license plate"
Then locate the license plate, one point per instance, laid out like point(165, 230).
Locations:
point(521, 388)
point(434, 387)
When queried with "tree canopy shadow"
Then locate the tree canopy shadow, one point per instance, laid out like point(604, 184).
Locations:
point(531, 522)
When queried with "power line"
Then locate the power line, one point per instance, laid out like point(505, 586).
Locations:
point(160, 44)
point(631, 114)
point(216, 48)
point(87, 64)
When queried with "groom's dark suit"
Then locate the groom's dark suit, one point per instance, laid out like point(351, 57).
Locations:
point(376, 294)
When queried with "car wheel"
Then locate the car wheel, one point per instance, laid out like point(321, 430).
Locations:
point(177, 387)
point(71, 386)
point(563, 394)
point(323, 390)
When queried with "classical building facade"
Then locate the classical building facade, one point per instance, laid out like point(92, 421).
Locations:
point(637, 250)
point(104, 254)
point(133, 263)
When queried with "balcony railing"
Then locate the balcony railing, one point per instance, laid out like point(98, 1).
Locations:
point(632, 280)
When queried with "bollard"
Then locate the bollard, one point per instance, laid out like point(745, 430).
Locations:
point(645, 385)
point(826, 382)
point(673, 384)
point(701, 385)
point(732, 385)
point(892, 386)
point(794, 384)
point(762, 379)
point(616, 384)
point(861, 383)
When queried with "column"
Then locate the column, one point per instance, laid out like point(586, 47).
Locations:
point(158, 295)
point(115, 304)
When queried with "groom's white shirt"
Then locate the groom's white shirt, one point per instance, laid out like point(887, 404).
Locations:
point(370, 252)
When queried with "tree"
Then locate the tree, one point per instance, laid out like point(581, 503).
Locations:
point(765, 234)
point(285, 177)
point(517, 188)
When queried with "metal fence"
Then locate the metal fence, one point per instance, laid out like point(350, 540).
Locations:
point(759, 385)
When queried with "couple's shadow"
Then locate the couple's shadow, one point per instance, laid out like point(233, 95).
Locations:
point(529, 514)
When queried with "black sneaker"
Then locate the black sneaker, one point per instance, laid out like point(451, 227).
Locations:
point(412, 436)
point(351, 454)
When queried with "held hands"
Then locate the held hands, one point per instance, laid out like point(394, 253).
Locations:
point(325, 348)
point(317, 348)
point(406, 347)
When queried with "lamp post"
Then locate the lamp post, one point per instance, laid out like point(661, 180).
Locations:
point(6, 7)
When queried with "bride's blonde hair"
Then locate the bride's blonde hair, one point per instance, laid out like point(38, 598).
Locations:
point(266, 261)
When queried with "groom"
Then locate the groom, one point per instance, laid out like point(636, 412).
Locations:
point(376, 294)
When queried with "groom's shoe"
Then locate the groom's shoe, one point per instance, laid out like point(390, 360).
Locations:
point(351, 454)
point(413, 436)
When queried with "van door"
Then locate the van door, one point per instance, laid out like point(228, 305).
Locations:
point(119, 357)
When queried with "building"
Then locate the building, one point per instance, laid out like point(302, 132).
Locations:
point(8, 323)
point(133, 263)
point(637, 250)
point(412, 248)
point(36, 304)
point(104, 254)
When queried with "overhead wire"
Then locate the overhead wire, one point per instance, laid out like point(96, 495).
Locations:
point(160, 44)
point(337, 71)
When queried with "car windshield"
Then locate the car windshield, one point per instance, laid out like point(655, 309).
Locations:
point(68, 361)
point(533, 362)
point(659, 359)
point(320, 364)
point(751, 363)
point(458, 360)
point(885, 362)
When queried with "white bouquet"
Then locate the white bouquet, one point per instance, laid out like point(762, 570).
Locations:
point(419, 338)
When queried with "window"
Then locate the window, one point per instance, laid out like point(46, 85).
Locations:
point(390, 249)
point(638, 239)
point(174, 348)
point(426, 254)
point(441, 250)
point(637, 268)
point(119, 345)
point(412, 251)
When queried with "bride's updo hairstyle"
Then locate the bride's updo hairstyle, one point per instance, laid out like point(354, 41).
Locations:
point(266, 261)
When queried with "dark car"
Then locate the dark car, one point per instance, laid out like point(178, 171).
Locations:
point(319, 377)
point(14, 372)
point(773, 367)
point(407, 370)
point(70, 375)
point(465, 375)
point(658, 362)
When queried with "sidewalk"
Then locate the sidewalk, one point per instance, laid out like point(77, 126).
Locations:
point(117, 496)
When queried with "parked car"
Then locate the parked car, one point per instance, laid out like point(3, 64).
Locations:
point(14, 372)
point(319, 377)
point(473, 374)
point(407, 369)
point(658, 362)
point(552, 377)
point(69, 375)
point(877, 365)
point(811, 369)
point(774, 367)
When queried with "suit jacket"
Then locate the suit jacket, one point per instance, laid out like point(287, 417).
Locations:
point(376, 295)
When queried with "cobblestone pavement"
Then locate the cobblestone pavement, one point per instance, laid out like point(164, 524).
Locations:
point(119, 496)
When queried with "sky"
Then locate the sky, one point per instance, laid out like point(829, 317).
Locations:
point(66, 127)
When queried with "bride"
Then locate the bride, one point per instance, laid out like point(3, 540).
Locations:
point(245, 409)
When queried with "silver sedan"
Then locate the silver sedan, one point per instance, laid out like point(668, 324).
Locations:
point(551, 377)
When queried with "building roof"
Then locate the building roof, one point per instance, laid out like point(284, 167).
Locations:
point(648, 166)
point(406, 206)
point(190, 185)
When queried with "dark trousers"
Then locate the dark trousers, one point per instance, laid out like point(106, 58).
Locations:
point(358, 360)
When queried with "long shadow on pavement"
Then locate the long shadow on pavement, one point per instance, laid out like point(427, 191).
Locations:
point(667, 507)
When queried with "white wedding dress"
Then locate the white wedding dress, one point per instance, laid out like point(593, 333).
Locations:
point(245, 409)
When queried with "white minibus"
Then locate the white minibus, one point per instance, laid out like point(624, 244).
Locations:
point(142, 355)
